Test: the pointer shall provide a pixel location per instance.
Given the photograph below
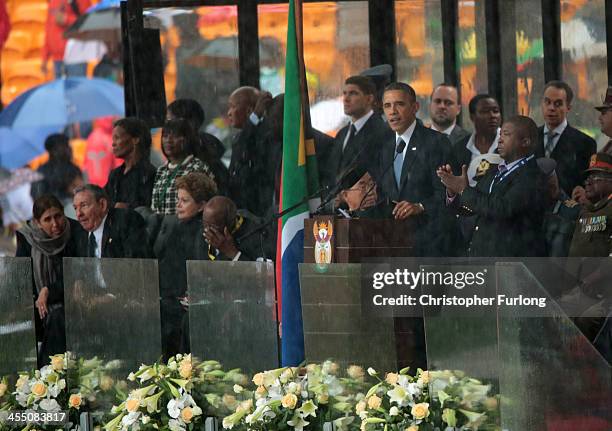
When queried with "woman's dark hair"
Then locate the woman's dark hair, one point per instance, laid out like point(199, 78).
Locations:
point(182, 128)
point(137, 128)
point(45, 202)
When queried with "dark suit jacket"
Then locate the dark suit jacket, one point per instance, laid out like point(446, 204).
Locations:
point(124, 236)
point(367, 139)
point(509, 220)
point(426, 151)
point(572, 154)
point(458, 134)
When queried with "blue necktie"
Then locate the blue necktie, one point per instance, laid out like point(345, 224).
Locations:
point(398, 163)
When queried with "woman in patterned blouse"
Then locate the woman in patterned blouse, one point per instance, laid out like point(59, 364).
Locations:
point(178, 144)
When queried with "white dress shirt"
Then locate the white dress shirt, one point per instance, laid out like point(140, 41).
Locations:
point(98, 236)
point(358, 126)
point(558, 130)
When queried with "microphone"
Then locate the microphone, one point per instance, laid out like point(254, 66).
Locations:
point(398, 150)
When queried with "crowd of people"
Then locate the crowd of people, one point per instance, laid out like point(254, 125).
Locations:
point(508, 189)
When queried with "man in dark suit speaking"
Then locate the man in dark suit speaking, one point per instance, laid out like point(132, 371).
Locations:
point(107, 232)
point(406, 171)
point(509, 201)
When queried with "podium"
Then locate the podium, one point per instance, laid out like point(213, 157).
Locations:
point(334, 326)
point(351, 240)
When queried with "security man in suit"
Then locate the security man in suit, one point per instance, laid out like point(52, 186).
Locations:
point(444, 108)
point(568, 146)
point(364, 129)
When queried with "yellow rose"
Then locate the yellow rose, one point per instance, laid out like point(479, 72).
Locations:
point(3, 388)
point(185, 368)
point(412, 428)
point(289, 401)
point(75, 401)
point(355, 372)
point(258, 379)
point(323, 398)
point(490, 403)
point(57, 362)
point(425, 377)
point(39, 389)
point(187, 414)
point(245, 406)
point(360, 407)
point(374, 402)
point(22, 380)
point(106, 383)
point(420, 411)
point(229, 401)
point(261, 391)
point(132, 405)
point(392, 378)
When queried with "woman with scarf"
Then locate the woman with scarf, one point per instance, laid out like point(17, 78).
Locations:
point(46, 239)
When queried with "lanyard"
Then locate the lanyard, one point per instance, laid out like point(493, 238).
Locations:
point(500, 176)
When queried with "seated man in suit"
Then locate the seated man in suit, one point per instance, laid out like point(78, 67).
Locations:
point(107, 232)
point(509, 202)
point(406, 170)
point(569, 147)
point(444, 108)
point(225, 229)
point(363, 130)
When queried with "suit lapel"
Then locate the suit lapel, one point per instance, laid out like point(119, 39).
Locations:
point(411, 155)
point(106, 234)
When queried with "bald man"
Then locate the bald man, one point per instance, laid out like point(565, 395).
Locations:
point(224, 229)
point(246, 110)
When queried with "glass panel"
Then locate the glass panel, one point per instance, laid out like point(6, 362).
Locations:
point(537, 358)
point(112, 310)
point(200, 46)
point(471, 53)
point(232, 313)
point(420, 60)
point(334, 326)
point(17, 335)
point(338, 29)
point(583, 40)
point(529, 58)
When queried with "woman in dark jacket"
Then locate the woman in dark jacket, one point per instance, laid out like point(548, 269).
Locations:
point(177, 240)
point(131, 184)
point(47, 239)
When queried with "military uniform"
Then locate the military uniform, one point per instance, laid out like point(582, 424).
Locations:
point(559, 223)
point(593, 232)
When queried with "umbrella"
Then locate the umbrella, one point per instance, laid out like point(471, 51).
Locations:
point(64, 101)
point(19, 146)
point(18, 178)
point(100, 22)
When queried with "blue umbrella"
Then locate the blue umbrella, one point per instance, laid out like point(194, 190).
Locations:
point(104, 4)
point(64, 101)
point(19, 146)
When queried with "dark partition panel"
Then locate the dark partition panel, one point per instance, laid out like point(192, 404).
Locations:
point(17, 336)
point(232, 313)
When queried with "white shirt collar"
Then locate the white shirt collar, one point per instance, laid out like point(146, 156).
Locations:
point(446, 131)
point(361, 122)
point(98, 235)
point(406, 136)
point(471, 145)
point(558, 130)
